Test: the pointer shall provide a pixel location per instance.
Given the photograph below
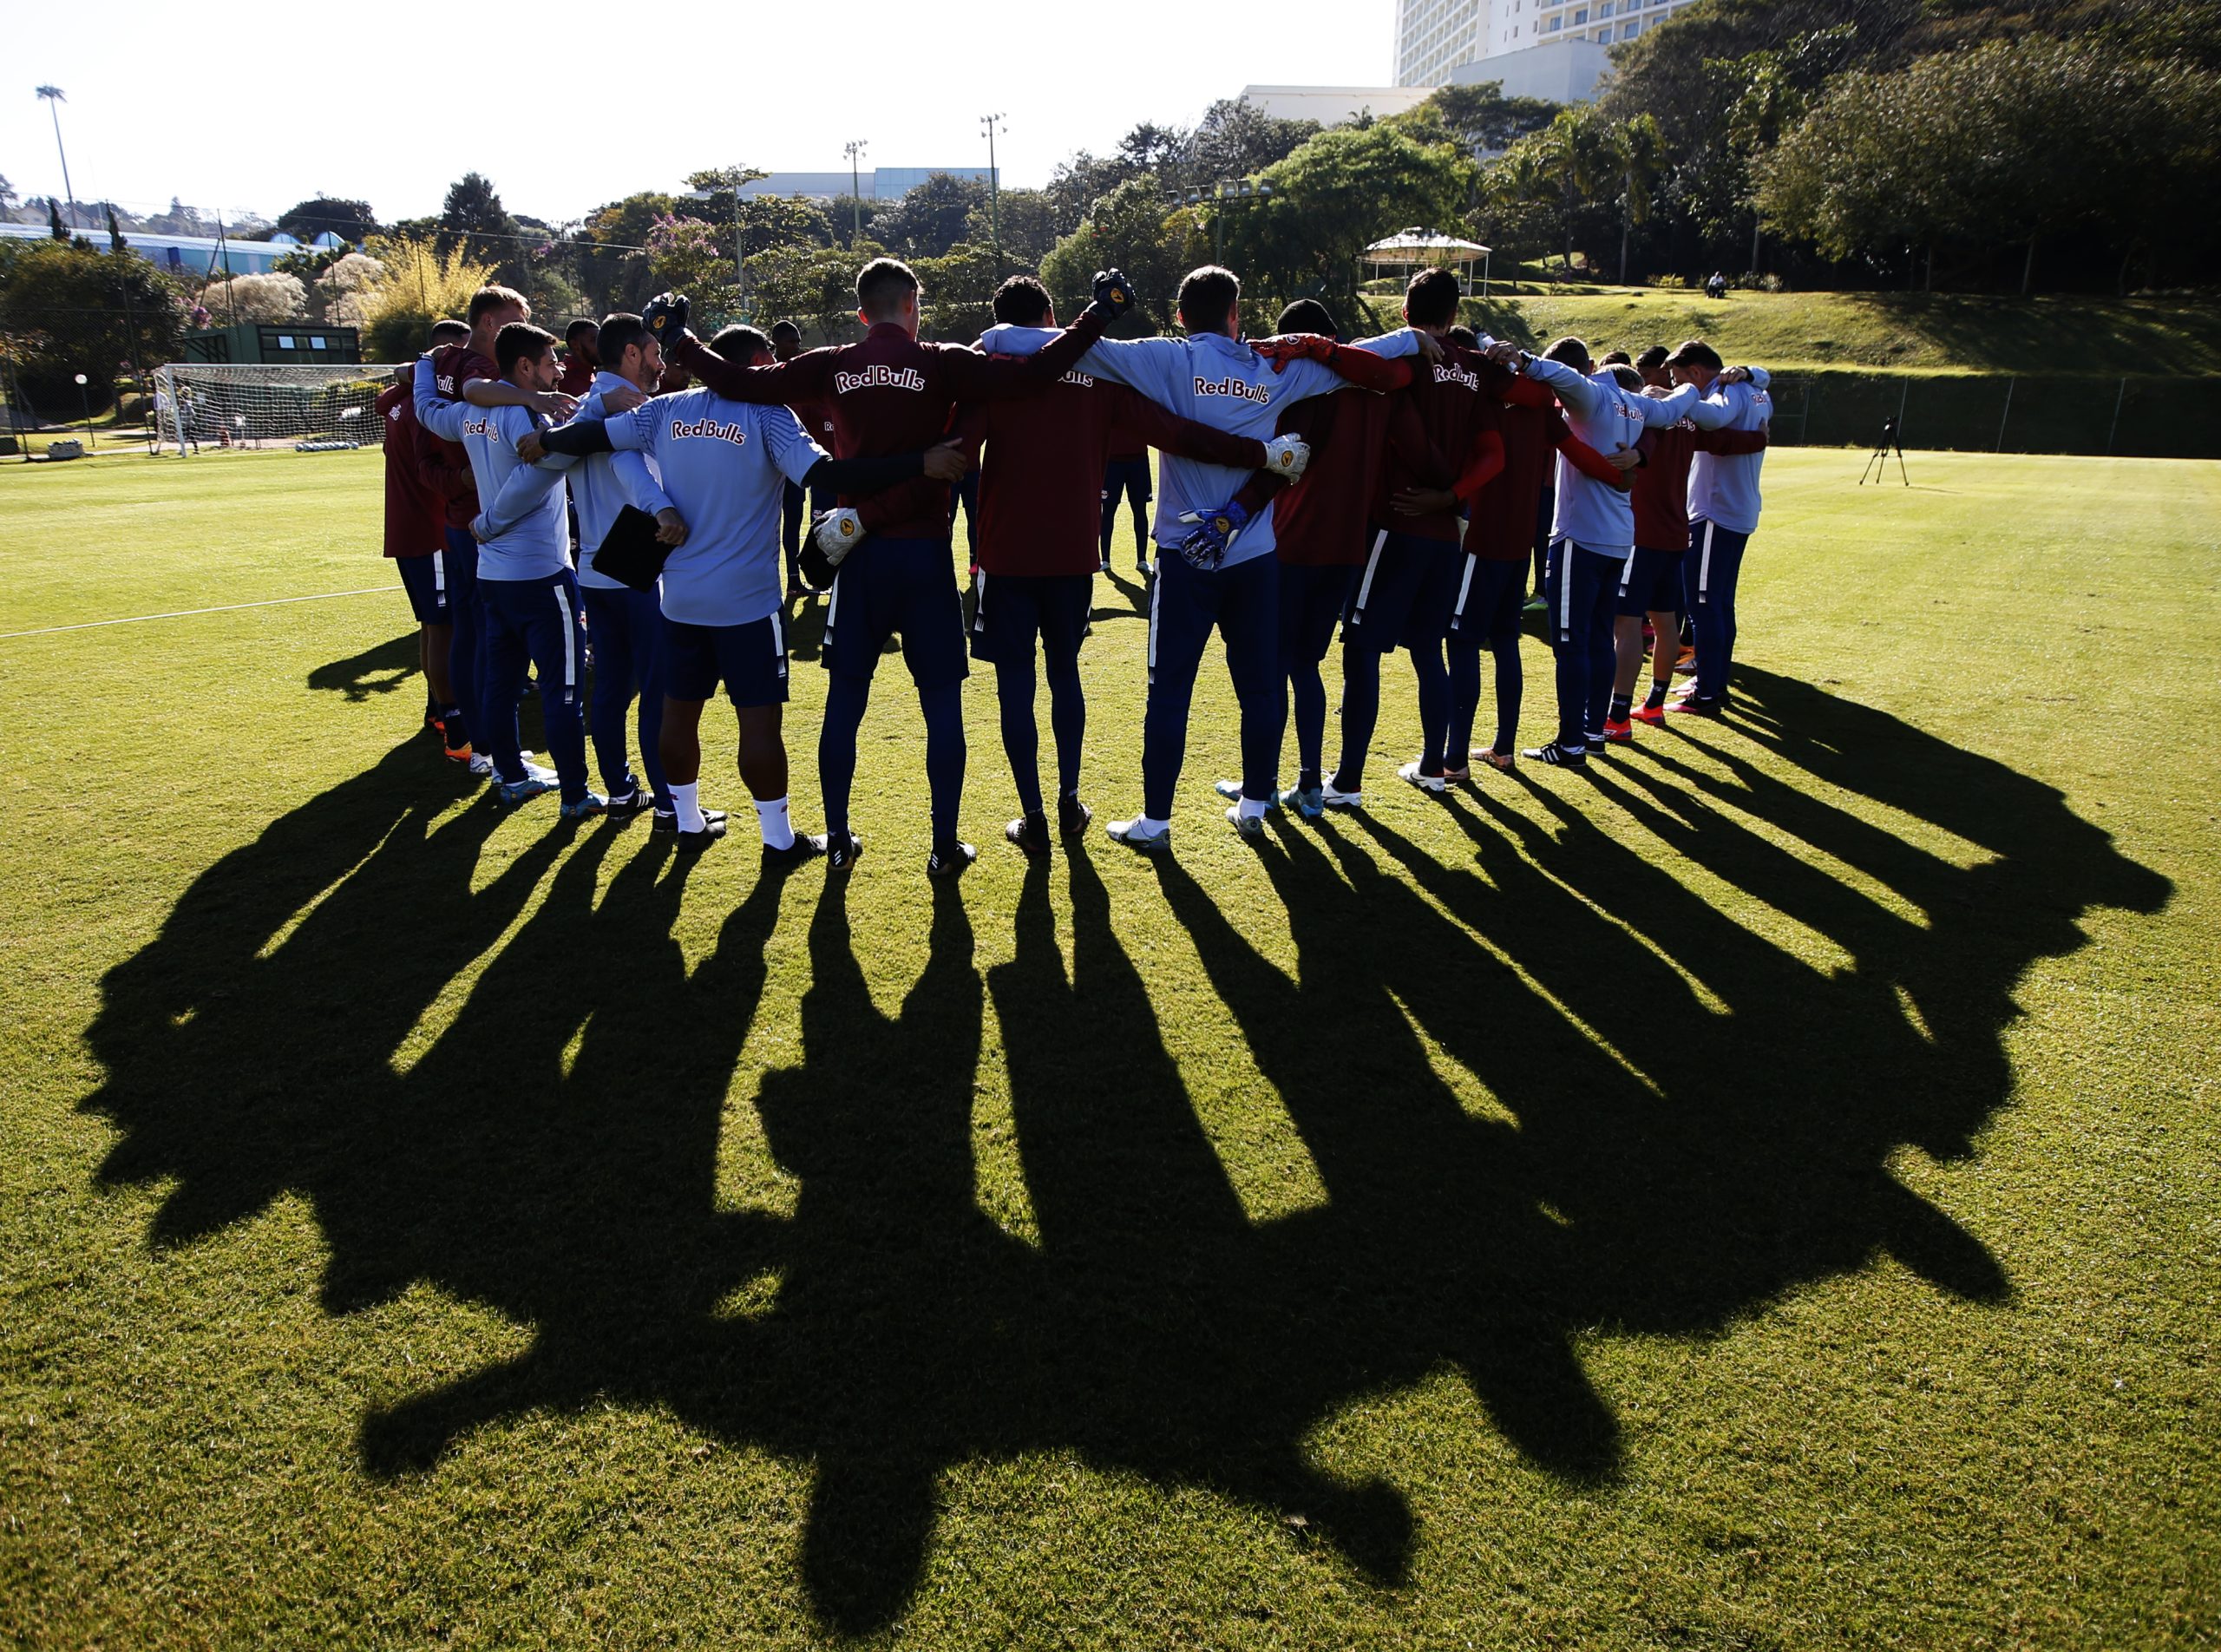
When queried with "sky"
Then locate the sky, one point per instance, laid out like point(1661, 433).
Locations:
point(246, 108)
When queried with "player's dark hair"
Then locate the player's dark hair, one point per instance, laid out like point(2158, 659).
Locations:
point(521, 341)
point(1023, 302)
point(450, 331)
point(1207, 298)
point(882, 284)
point(1695, 353)
point(1625, 376)
point(1569, 351)
point(619, 333)
point(740, 344)
point(1651, 359)
point(571, 333)
point(1432, 298)
point(1308, 315)
point(786, 330)
point(1464, 335)
point(1617, 358)
point(486, 300)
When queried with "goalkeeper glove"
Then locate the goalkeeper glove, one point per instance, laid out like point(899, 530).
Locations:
point(1283, 348)
point(1113, 291)
point(666, 318)
point(1215, 530)
point(1287, 456)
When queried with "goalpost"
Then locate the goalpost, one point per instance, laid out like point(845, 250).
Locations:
point(311, 408)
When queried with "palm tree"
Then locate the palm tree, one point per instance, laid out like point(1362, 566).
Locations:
point(1638, 155)
point(1569, 150)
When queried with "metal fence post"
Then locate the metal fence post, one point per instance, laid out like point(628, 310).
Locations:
point(2007, 414)
point(2114, 430)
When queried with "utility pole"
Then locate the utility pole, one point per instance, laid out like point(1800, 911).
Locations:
point(54, 101)
point(854, 148)
point(988, 124)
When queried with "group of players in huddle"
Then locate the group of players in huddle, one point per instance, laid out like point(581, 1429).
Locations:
point(1391, 486)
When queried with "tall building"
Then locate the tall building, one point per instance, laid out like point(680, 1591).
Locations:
point(1435, 36)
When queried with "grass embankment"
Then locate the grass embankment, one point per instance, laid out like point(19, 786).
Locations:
point(1759, 1195)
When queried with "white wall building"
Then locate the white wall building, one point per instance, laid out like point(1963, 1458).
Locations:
point(1436, 37)
point(1333, 105)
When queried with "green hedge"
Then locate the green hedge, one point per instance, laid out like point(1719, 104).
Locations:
point(2165, 418)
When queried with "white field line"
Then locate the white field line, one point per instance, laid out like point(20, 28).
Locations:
point(187, 614)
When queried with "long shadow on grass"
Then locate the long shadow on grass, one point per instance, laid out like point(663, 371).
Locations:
point(1552, 1087)
point(376, 670)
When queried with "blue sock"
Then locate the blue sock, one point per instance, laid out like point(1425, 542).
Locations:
point(1434, 705)
point(1067, 722)
point(1361, 710)
point(944, 710)
point(1510, 680)
point(1021, 737)
point(1307, 707)
point(845, 700)
point(1464, 701)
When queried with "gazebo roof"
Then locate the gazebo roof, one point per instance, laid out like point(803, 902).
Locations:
point(1404, 243)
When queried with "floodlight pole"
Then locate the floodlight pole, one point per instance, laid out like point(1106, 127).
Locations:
point(854, 148)
point(84, 402)
point(988, 124)
point(54, 99)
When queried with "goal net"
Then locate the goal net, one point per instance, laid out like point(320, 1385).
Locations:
point(305, 407)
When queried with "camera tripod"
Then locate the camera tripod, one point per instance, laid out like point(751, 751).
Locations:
point(1879, 461)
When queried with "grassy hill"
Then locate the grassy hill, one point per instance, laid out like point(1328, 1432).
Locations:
point(1928, 332)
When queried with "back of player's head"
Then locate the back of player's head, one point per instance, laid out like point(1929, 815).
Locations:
point(1651, 359)
point(1624, 374)
point(1569, 351)
point(487, 300)
point(521, 341)
point(785, 332)
point(1463, 335)
point(572, 333)
point(1308, 315)
point(882, 285)
point(619, 333)
point(1618, 358)
point(1023, 302)
point(1695, 353)
point(1432, 298)
point(450, 331)
point(739, 344)
point(1207, 298)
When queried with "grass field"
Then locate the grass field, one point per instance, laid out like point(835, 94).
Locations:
point(1765, 1194)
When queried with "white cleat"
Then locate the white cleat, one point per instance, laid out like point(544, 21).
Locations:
point(1132, 834)
point(1332, 798)
point(1424, 782)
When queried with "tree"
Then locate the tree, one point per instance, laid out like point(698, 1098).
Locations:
point(1638, 153)
point(609, 254)
point(1235, 139)
point(351, 220)
point(813, 285)
point(1478, 120)
point(339, 292)
point(274, 297)
point(958, 287)
point(930, 219)
point(417, 284)
point(1136, 227)
point(474, 221)
point(7, 194)
point(66, 309)
point(685, 257)
point(1028, 222)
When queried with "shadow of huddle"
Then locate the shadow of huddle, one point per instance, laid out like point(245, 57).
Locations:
point(1682, 1153)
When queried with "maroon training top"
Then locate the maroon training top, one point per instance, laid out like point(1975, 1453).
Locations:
point(891, 394)
point(1455, 399)
point(1661, 483)
point(415, 510)
point(1041, 480)
point(1320, 519)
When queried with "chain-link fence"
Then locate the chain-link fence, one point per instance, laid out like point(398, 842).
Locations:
point(2144, 417)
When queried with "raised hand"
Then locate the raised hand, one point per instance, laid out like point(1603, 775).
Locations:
point(666, 318)
point(1113, 291)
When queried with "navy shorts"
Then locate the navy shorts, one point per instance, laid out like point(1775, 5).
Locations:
point(425, 579)
point(1013, 608)
point(1313, 596)
point(1127, 477)
point(1651, 583)
point(889, 588)
point(1490, 595)
point(1404, 597)
point(749, 660)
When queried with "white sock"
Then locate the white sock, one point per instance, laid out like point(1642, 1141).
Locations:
point(687, 801)
point(1252, 807)
point(778, 830)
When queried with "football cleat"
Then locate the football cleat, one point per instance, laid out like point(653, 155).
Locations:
point(1231, 790)
point(1653, 715)
point(1306, 802)
point(1247, 825)
point(950, 859)
point(695, 843)
point(1029, 833)
point(841, 849)
point(802, 848)
point(1500, 761)
point(1692, 705)
point(585, 808)
point(1617, 729)
point(1072, 816)
point(1558, 755)
point(1133, 835)
point(458, 753)
point(1687, 665)
point(480, 766)
point(1331, 797)
point(1537, 604)
point(1455, 777)
point(511, 793)
point(1424, 782)
point(666, 820)
point(639, 801)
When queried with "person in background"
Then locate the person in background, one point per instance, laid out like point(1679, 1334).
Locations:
point(581, 357)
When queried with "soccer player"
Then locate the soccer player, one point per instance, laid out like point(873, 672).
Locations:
point(527, 590)
point(624, 624)
point(1650, 584)
point(443, 469)
point(1037, 551)
point(1500, 533)
point(1723, 514)
point(724, 465)
point(1319, 526)
point(786, 344)
point(1591, 537)
point(1222, 575)
point(581, 357)
point(416, 539)
point(1126, 480)
point(890, 394)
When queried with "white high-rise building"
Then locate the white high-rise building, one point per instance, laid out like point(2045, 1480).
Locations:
point(1435, 36)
